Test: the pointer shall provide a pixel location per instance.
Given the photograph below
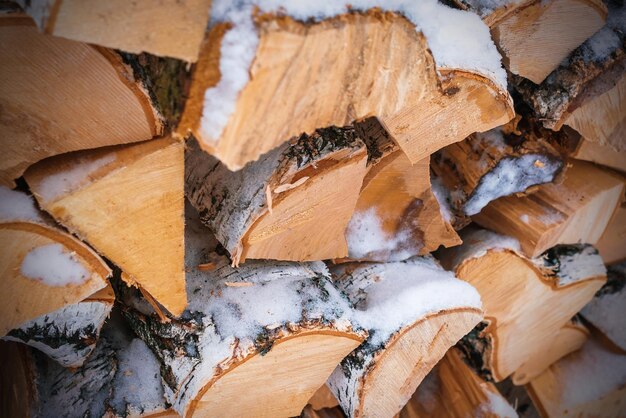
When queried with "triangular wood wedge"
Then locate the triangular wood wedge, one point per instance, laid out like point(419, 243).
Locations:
point(171, 28)
point(578, 209)
point(414, 312)
point(42, 268)
point(128, 202)
point(453, 390)
point(536, 35)
point(323, 398)
point(292, 204)
point(611, 243)
point(59, 96)
point(520, 294)
point(588, 383)
point(248, 98)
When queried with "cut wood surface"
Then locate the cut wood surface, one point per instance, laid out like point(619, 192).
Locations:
point(292, 204)
point(588, 383)
point(58, 95)
point(323, 398)
point(42, 268)
point(578, 209)
point(453, 390)
point(534, 36)
point(128, 202)
point(171, 28)
point(611, 243)
point(521, 294)
point(281, 96)
point(414, 311)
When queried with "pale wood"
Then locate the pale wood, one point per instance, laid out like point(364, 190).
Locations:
point(323, 398)
point(611, 243)
point(46, 81)
point(412, 102)
point(130, 208)
point(576, 210)
point(171, 28)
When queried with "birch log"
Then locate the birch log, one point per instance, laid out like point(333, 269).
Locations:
point(414, 311)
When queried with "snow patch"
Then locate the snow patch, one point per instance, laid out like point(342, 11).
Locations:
point(524, 218)
point(495, 405)
point(476, 243)
point(485, 7)
point(442, 194)
point(18, 206)
point(53, 265)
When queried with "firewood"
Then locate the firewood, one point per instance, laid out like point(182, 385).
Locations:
point(323, 398)
point(520, 295)
point(578, 209)
point(607, 310)
point(310, 412)
point(43, 269)
point(491, 165)
point(276, 341)
point(59, 95)
point(534, 35)
point(414, 311)
point(292, 204)
point(260, 82)
point(611, 243)
point(453, 390)
point(166, 28)
point(397, 215)
point(67, 335)
point(588, 383)
point(16, 389)
point(128, 202)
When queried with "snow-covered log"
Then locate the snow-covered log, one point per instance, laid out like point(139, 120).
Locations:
point(59, 95)
point(271, 71)
point(292, 204)
point(414, 312)
point(490, 165)
point(453, 390)
point(536, 35)
point(520, 296)
point(607, 310)
point(166, 28)
point(577, 209)
point(128, 202)
point(42, 268)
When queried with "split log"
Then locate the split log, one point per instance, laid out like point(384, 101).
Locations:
point(128, 202)
point(323, 398)
point(310, 412)
point(520, 295)
point(16, 391)
point(67, 335)
point(43, 269)
point(576, 210)
point(292, 204)
point(606, 312)
point(453, 390)
point(611, 243)
point(262, 81)
point(490, 165)
point(534, 35)
point(588, 383)
point(165, 28)
point(59, 96)
point(273, 331)
point(397, 216)
point(414, 311)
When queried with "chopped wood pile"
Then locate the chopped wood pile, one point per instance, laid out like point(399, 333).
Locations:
point(319, 209)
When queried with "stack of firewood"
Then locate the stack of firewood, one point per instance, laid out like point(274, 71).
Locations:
point(274, 208)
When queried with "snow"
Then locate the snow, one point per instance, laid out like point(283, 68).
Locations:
point(53, 265)
point(17, 206)
point(485, 7)
point(68, 180)
point(524, 218)
point(457, 39)
point(476, 243)
point(443, 198)
point(495, 405)
point(608, 39)
point(366, 239)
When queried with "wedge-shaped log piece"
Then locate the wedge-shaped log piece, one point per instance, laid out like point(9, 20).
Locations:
point(453, 390)
point(588, 383)
point(128, 202)
point(519, 295)
point(292, 204)
point(272, 330)
point(59, 95)
point(535, 36)
point(578, 209)
point(67, 335)
point(247, 97)
point(165, 28)
point(607, 310)
point(323, 398)
point(611, 243)
point(493, 164)
point(42, 268)
point(414, 311)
